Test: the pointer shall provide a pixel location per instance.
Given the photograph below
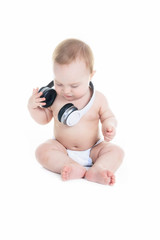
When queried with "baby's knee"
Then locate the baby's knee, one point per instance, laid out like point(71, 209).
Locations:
point(114, 149)
point(40, 153)
point(119, 151)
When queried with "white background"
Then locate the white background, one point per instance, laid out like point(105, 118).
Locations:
point(125, 39)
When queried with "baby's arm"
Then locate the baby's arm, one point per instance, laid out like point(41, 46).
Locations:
point(107, 119)
point(39, 114)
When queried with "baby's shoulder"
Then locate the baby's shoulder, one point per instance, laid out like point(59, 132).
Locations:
point(101, 101)
point(100, 97)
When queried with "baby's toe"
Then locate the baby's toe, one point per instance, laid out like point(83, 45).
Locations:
point(65, 173)
point(112, 180)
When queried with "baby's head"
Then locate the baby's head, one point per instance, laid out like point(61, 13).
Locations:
point(70, 50)
point(73, 68)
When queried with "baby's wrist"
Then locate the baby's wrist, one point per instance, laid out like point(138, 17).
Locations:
point(110, 123)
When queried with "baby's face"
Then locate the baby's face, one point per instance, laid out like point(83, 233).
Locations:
point(71, 80)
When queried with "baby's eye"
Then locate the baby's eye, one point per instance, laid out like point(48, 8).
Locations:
point(74, 86)
point(58, 84)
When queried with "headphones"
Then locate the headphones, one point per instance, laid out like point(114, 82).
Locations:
point(68, 114)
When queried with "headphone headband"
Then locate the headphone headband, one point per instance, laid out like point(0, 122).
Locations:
point(51, 84)
point(88, 106)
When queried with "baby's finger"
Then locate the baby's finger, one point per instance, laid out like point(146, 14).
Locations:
point(109, 133)
point(112, 133)
point(110, 130)
point(107, 139)
point(42, 99)
point(35, 90)
point(42, 104)
point(39, 100)
point(38, 94)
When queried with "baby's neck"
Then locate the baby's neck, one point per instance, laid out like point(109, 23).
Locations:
point(82, 102)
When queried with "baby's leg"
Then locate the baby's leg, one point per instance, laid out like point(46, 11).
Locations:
point(107, 158)
point(53, 156)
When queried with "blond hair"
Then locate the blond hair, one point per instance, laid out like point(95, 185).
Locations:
point(70, 49)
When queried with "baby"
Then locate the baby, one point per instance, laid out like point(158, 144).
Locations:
point(77, 151)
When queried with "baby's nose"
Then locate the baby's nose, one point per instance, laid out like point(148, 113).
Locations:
point(66, 90)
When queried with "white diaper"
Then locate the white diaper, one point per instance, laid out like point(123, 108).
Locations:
point(82, 157)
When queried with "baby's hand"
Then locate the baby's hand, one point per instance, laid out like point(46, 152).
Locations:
point(109, 132)
point(36, 100)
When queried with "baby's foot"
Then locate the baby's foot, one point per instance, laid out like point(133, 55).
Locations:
point(100, 176)
point(72, 171)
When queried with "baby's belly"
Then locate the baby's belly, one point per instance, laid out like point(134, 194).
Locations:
point(77, 138)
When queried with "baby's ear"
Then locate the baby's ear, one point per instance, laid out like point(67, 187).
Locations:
point(92, 74)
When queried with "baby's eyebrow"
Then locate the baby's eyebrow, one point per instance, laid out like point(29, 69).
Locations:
point(76, 83)
point(57, 81)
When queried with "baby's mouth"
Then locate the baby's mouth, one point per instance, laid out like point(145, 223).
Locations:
point(67, 96)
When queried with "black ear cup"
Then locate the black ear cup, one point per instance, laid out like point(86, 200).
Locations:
point(49, 94)
point(65, 111)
